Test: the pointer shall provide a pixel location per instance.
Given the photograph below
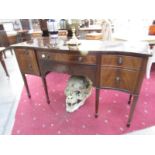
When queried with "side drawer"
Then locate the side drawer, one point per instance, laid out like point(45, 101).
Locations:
point(130, 62)
point(27, 61)
point(68, 58)
point(121, 79)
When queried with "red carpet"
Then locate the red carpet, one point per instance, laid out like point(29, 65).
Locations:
point(35, 116)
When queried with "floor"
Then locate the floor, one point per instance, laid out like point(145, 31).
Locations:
point(10, 90)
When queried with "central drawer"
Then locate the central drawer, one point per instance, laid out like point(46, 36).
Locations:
point(68, 58)
point(122, 79)
point(124, 61)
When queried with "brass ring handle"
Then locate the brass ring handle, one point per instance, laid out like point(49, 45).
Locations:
point(120, 60)
point(117, 79)
point(80, 59)
point(43, 55)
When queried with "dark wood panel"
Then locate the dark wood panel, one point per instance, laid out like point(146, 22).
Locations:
point(72, 69)
point(88, 71)
point(27, 61)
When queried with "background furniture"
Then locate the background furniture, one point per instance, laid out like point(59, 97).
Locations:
point(36, 34)
point(94, 36)
point(105, 34)
point(152, 28)
point(2, 61)
point(23, 35)
point(88, 30)
point(151, 60)
point(4, 42)
point(12, 39)
point(1, 27)
point(25, 23)
point(104, 63)
point(43, 27)
point(62, 33)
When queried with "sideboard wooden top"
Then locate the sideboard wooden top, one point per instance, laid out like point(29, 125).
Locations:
point(86, 46)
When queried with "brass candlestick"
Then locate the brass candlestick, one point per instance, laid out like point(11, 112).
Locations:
point(73, 33)
point(74, 40)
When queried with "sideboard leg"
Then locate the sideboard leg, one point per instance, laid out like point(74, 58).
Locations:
point(133, 105)
point(26, 85)
point(45, 88)
point(130, 97)
point(97, 102)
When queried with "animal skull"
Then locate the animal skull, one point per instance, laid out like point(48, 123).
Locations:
point(77, 91)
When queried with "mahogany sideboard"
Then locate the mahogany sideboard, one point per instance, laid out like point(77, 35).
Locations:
point(109, 64)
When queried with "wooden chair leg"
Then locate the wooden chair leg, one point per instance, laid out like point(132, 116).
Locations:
point(4, 66)
point(4, 54)
point(97, 102)
point(26, 85)
point(45, 88)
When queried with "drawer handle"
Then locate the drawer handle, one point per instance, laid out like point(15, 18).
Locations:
point(120, 60)
point(80, 59)
point(43, 55)
point(118, 79)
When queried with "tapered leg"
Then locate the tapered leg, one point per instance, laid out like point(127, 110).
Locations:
point(133, 105)
point(130, 97)
point(26, 85)
point(4, 54)
point(97, 102)
point(4, 66)
point(45, 88)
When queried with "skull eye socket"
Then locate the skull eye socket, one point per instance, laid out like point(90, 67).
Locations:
point(69, 104)
point(77, 92)
point(78, 101)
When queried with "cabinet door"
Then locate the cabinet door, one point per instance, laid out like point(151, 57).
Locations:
point(27, 61)
point(121, 79)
